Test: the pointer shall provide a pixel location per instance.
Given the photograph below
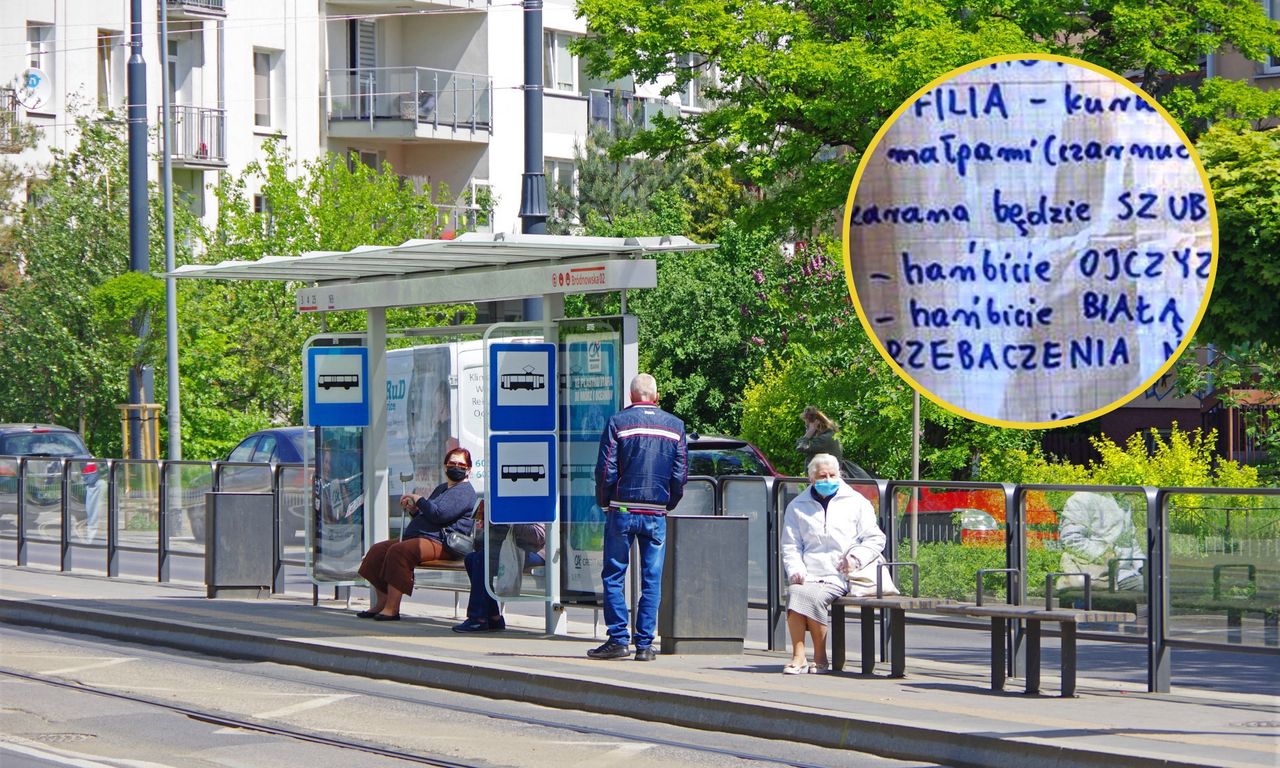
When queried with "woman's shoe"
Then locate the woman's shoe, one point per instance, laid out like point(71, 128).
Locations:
point(386, 617)
point(796, 669)
point(820, 669)
point(366, 614)
point(497, 625)
point(472, 625)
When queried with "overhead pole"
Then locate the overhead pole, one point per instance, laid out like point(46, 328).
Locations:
point(533, 187)
point(170, 283)
point(139, 246)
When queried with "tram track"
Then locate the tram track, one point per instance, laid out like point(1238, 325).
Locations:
point(224, 720)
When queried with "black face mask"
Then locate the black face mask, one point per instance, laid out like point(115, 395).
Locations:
point(455, 473)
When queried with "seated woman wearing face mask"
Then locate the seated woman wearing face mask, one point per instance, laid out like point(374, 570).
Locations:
point(830, 543)
point(388, 565)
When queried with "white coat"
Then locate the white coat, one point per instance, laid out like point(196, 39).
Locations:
point(814, 541)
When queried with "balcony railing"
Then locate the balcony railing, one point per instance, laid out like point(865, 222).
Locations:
point(200, 8)
point(10, 128)
point(617, 110)
point(423, 96)
point(199, 135)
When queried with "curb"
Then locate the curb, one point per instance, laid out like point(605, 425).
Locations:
point(691, 710)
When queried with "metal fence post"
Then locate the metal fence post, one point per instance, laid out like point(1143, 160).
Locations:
point(21, 554)
point(776, 630)
point(887, 490)
point(1159, 669)
point(113, 521)
point(277, 569)
point(1016, 558)
point(162, 528)
point(64, 559)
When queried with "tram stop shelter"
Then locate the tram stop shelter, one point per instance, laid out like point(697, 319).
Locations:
point(478, 268)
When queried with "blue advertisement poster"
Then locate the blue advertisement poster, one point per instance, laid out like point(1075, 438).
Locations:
point(593, 393)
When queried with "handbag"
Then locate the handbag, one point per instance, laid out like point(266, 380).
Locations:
point(459, 543)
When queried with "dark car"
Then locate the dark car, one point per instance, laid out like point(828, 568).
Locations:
point(48, 446)
point(716, 456)
point(279, 445)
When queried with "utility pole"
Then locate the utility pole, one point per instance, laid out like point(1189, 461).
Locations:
point(170, 283)
point(139, 259)
point(533, 187)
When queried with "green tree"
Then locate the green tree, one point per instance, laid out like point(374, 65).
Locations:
point(242, 341)
point(57, 365)
point(797, 90)
point(1242, 321)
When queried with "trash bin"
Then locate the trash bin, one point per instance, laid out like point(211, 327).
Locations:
point(239, 544)
point(704, 585)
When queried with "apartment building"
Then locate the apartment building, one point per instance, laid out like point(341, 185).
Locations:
point(433, 87)
point(238, 73)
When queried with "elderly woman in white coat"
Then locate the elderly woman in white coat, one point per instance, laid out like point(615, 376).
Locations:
point(830, 539)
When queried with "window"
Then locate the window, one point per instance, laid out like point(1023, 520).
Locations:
point(1271, 65)
point(262, 207)
point(189, 188)
point(40, 46)
point(691, 95)
point(268, 98)
point(559, 66)
point(110, 69)
point(559, 173)
point(40, 55)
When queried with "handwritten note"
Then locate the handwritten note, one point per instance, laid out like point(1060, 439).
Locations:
point(1030, 242)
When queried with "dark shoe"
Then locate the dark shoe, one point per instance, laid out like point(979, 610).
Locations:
point(610, 650)
point(385, 617)
point(497, 625)
point(645, 654)
point(366, 614)
point(472, 625)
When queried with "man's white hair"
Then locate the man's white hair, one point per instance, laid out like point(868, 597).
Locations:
point(644, 387)
point(823, 461)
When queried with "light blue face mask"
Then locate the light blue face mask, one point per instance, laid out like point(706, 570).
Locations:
point(826, 487)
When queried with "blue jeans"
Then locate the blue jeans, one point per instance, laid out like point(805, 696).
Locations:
point(479, 604)
point(621, 529)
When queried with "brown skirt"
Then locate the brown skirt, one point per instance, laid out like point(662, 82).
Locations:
point(391, 563)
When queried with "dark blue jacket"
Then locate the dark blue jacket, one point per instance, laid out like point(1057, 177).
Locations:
point(643, 461)
point(445, 508)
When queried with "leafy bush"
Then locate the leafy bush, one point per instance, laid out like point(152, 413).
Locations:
point(950, 570)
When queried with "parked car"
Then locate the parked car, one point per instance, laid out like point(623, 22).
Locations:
point(716, 455)
point(280, 445)
point(49, 445)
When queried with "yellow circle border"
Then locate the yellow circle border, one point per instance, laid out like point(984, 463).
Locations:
point(1118, 402)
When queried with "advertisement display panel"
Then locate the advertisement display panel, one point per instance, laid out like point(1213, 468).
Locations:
point(592, 351)
point(335, 528)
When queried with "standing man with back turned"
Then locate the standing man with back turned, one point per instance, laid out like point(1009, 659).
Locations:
point(640, 476)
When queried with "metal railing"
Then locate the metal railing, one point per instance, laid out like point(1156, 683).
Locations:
point(617, 110)
point(420, 95)
point(1214, 597)
point(216, 7)
point(199, 134)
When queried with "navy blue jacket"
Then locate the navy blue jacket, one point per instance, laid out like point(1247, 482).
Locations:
point(643, 461)
point(445, 508)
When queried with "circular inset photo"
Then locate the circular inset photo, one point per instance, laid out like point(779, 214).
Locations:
point(1030, 241)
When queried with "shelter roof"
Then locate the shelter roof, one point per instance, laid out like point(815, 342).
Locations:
point(421, 258)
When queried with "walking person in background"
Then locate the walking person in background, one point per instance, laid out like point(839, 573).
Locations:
point(820, 437)
point(831, 546)
point(640, 475)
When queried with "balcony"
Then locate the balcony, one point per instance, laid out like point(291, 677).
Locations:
point(196, 9)
point(618, 111)
point(11, 133)
point(198, 138)
point(414, 103)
